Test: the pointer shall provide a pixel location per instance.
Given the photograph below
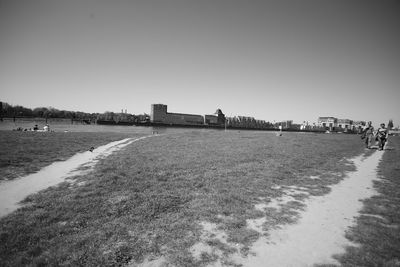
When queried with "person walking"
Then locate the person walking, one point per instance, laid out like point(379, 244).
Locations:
point(382, 135)
point(368, 133)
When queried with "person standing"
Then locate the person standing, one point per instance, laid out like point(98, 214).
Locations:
point(368, 133)
point(382, 135)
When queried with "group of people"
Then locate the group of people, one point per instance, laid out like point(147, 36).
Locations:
point(370, 135)
point(46, 128)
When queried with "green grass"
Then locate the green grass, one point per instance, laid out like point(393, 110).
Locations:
point(148, 200)
point(378, 228)
point(23, 153)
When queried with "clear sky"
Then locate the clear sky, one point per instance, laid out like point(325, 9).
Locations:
point(272, 60)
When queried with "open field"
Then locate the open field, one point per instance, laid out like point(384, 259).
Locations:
point(151, 201)
point(27, 152)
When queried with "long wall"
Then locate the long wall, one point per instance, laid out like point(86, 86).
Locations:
point(159, 114)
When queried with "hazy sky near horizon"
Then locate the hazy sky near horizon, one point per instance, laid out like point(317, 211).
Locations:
point(272, 60)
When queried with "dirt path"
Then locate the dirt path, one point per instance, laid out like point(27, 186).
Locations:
point(14, 191)
point(319, 234)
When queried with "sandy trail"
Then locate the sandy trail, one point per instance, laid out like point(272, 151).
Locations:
point(319, 234)
point(14, 191)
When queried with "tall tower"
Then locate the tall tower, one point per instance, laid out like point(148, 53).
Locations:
point(221, 117)
point(158, 113)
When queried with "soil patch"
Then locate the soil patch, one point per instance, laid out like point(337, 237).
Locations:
point(320, 232)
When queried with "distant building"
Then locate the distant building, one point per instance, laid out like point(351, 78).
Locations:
point(159, 114)
point(210, 120)
point(336, 124)
point(327, 122)
point(306, 125)
point(345, 124)
point(220, 117)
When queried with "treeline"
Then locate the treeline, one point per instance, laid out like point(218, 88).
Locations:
point(10, 111)
point(248, 122)
point(120, 118)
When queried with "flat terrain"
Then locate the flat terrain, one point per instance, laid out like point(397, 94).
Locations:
point(22, 153)
point(151, 201)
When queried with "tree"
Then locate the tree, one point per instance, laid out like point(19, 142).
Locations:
point(390, 124)
point(47, 113)
point(39, 112)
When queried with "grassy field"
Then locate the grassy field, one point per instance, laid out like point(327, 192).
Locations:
point(150, 200)
point(22, 153)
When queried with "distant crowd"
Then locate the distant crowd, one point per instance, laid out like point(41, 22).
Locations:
point(46, 128)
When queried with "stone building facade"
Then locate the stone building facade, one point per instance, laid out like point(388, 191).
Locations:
point(159, 114)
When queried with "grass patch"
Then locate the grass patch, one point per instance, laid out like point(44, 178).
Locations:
point(147, 200)
point(23, 153)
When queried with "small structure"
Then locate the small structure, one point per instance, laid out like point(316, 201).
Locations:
point(220, 117)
